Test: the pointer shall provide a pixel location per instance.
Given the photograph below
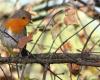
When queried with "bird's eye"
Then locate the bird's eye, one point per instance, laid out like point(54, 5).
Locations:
point(23, 17)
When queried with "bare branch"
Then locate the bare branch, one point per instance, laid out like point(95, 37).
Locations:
point(85, 59)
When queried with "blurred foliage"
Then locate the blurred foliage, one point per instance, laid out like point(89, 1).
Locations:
point(55, 25)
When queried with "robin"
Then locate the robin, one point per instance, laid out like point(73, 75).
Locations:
point(12, 30)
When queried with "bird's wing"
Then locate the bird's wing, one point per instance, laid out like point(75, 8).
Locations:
point(10, 39)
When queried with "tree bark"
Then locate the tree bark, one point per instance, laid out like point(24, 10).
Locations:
point(85, 59)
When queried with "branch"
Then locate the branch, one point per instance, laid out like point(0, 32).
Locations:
point(85, 59)
point(45, 8)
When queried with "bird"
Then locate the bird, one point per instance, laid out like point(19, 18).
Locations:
point(12, 30)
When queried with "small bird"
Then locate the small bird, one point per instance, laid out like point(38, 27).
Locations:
point(12, 30)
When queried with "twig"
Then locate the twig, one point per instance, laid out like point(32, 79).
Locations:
point(45, 28)
point(89, 37)
point(4, 73)
point(74, 35)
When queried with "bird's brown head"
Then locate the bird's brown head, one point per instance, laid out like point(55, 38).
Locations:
point(18, 21)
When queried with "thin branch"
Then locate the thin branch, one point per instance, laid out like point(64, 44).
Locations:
point(74, 34)
point(56, 75)
point(45, 72)
point(4, 73)
point(45, 28)
point(45, 8)
point(90, 37)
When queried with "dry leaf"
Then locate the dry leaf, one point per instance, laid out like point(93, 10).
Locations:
point(70, 11)
point(67, 46)
point(70, 16)
point(88, 10)
point(74, 68)
point(3, 50)
point(82, 38)
point(91, 13)
point(46, 21)
point(29, 9)
point(56, 29)
point(70, 20)
point(4, 54)
point(84, 8)
point(53, 11)
point(24, 40)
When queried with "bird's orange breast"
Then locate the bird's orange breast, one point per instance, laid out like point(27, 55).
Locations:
point(16, 25)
